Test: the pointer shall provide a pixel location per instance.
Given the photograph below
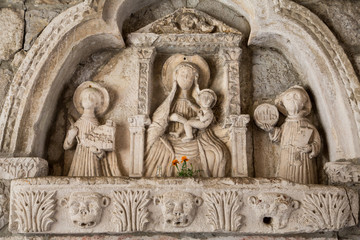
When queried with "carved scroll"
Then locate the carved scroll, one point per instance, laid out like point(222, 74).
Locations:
point(223, 210)
point(327, 211)
point(34, 211)
point(130, 211)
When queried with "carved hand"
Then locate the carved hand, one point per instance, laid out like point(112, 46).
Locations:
point(266, 127)
point(305, 149)
point(73, 132)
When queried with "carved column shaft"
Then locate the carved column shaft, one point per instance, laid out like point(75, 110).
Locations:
point(146, 58)
point(239, 159)
point(137, 144)
point(231, 58)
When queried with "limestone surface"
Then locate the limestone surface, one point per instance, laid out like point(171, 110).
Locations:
point(11, 32)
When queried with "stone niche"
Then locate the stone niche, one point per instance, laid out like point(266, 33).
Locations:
point(126, 93)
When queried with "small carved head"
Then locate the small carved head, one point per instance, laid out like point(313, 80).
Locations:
point(185, 74)
point(178, 208)
point(187, 21)
point(207, 98)
point(85, 208)
point(274, 209)
point(90, 98)
point(294, 102)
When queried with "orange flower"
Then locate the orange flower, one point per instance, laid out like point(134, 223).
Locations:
point(184, 159)
point(175, 162)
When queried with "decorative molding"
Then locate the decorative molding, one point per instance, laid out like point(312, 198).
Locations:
point(329, 43)
point(4, 204)
point(342, 172)
point(224, 210)
point(32, 211)
point(130, 212)
point(31, 66)
point(13, 168)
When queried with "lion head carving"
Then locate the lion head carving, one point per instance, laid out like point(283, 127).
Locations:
point(178, 208)
point(85, 208)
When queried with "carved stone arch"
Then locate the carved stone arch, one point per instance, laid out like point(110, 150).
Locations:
point(95, 25)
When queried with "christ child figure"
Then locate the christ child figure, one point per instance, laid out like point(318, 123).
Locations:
point(206, 99)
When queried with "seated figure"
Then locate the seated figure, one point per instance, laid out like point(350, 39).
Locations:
point(177, 115)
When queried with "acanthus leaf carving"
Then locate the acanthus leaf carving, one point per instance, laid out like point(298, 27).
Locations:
point(34, 211)
point(326, 210)
point(223, 210)
point(342, 172)
point(130, 210)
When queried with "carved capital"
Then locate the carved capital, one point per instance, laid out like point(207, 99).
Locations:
point(237, 121)
point(139, 121)
point(146, 53)
point(12, 168)
point(342, 172)
point(231, 54)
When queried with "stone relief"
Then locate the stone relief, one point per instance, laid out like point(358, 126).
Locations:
point(85, 208)
point(223, 210)
point(326, 210)
point(186, 20)
point(342, 172)
point(130, 212)
point(34, 211)
point(12, 168)
point(182, 77)
point(299, 140)
point(178, 208)
point(95, 151)
point(273, 209)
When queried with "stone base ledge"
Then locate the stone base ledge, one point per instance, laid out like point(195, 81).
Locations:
point(63, 205)
point(22, 167)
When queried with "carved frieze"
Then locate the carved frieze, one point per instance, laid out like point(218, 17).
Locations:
point(4, 204)
point(12, 168)
point(85, 208)
point(123, 205)
point(224, 210)
point(273, 209)
point(130, 212)
point(32, 211)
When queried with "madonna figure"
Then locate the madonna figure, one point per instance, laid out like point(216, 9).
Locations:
point(182, 77)
point(94, 154)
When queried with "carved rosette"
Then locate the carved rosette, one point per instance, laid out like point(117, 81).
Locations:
point(224, 210)
point(130, 212)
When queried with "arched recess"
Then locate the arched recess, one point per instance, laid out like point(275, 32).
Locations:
point(96, 25)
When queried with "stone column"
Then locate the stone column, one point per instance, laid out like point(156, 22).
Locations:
point(138, 122)
point(239, 159)
point(231, 57)
point(137, 144)
point(234, 120)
